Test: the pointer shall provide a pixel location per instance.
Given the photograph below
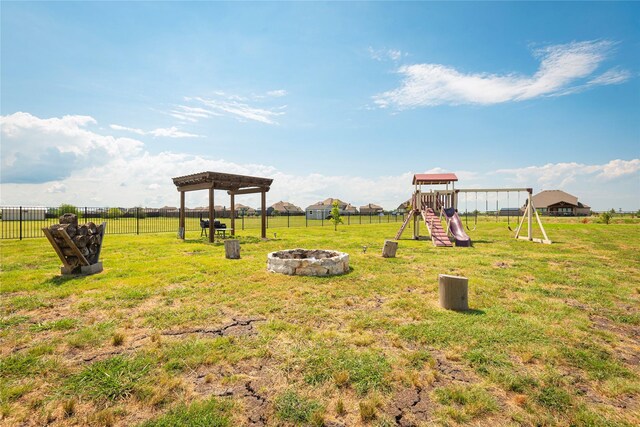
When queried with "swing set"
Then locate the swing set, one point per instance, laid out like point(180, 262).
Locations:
point(527, 214)
point(435, 205)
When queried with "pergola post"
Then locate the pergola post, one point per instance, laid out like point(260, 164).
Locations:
point(212, 215)
point(181, 228)
point(263, 200)
point(233, 214)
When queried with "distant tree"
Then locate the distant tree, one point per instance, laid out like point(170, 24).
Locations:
point(335, 217)
point(612, 211)
point(140, 212)
point(66, 208)
point(605, 217)
point(114, 213)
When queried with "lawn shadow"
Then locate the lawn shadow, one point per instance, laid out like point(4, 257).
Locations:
point(61, 280)
point(482, 242)
point(472, 312)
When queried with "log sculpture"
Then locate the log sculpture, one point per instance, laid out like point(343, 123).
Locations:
point(78, 246)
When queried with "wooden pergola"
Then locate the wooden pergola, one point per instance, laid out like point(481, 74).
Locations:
point(234, 184)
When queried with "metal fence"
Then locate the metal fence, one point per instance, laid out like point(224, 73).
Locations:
point(23, 222)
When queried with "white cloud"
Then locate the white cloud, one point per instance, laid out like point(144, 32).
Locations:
point(57, 187)
point(610, 77)
point(554, 175)
point(277, 93)
point(41, 150)
point(561, 66)
point(124, 174)
point(172, 132)
point(231, 105)
point(385, 54)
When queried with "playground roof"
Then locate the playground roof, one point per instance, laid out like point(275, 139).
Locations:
point(434, 178)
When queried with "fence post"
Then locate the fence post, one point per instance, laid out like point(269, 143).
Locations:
point(306, 219)
point(288, 215)
point(137, 220)
point(243, 221)
point(349, 219)
point(85, 214)
point(20, 222)
point(360, 216)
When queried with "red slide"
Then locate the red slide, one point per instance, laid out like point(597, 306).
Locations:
point(457, 229)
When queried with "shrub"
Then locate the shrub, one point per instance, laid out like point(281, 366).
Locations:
point(66, 208)
point(605, 217)
point(335, 216)
point(114, 213)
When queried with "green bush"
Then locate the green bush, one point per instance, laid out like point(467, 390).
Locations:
point(114, 213)
point(605, 217)
point(66, 208)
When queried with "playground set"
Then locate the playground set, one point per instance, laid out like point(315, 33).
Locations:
point(437, 204)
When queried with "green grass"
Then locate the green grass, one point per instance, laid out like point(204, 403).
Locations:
point(364, 370)
point(463, 403)
point(549, 339)
point(110, 379)
point(290, 406)
point(208, 413)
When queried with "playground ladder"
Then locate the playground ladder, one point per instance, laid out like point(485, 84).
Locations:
point(404, 225)
point(438, 235)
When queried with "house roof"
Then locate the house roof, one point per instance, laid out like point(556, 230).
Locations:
point(433, 178)
point(548, 198)
point(286, 207)
point(239, 206)
point(330, 201)
point(370, 206)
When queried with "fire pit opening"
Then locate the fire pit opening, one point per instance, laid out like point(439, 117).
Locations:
point(308, 262)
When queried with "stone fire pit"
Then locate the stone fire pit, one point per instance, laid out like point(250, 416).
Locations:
point(308, 262)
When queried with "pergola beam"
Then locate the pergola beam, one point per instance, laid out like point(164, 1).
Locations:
point(248, 191)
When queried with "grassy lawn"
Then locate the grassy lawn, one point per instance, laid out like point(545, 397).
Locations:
point(171, 333)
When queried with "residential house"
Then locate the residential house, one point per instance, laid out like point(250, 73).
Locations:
point(244, 210)
point(559, 203)
point(321, 210)
point(284, 208)
point(371, 209)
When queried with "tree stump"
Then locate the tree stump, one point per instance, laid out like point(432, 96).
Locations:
point(232, 249)
point(453, 292)
point(389, 249)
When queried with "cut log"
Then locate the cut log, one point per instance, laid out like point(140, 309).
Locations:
point(81, 241)
point(82, 230)
point(389, 249)
point(69, 218)
point(232, 249)
point(69, 228)
point(453, 292)
point(93, 229)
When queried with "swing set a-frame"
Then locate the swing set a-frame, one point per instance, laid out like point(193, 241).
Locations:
point(436, 205)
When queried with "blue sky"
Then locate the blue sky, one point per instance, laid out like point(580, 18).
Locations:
point(331, 99)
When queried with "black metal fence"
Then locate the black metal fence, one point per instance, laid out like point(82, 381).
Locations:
point(23, 222)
